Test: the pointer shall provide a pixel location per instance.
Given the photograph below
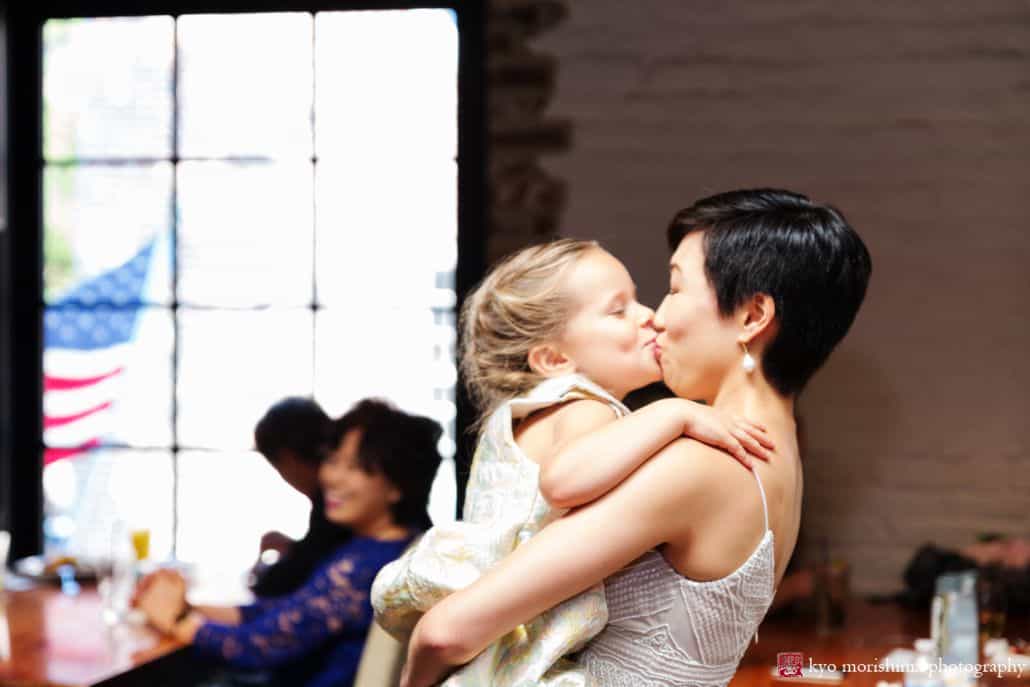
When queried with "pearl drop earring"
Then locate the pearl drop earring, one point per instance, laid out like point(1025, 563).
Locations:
point(748, 363)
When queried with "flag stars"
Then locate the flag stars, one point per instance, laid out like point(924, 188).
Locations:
point(85, 320)
point(94, 314)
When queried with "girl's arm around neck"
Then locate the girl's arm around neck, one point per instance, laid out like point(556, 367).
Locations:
point(593, 453)
point(652, 506)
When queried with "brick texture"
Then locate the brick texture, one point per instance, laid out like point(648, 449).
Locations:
point(914, 119)
point(525, 202)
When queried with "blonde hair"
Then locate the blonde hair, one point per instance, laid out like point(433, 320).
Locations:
point(520, 304)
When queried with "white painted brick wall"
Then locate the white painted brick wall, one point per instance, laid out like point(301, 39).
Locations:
point(913, 118)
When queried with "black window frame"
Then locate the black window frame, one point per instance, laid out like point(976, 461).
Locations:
point(21, 216)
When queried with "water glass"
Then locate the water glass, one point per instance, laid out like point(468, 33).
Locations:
point(992, 604)
point(118, 577)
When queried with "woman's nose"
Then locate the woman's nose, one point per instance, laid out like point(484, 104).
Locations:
point(328, 475)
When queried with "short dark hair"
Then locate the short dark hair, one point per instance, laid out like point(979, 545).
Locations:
point(804, 255)
point(294, 423)
point(399, 446)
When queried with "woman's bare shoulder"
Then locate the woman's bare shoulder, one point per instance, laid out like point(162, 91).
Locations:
point(680, 473)
point(693, 475)
point(702, 463)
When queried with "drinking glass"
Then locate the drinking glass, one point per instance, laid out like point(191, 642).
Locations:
point(118, 576)
point(141, 543)
point(992, 605)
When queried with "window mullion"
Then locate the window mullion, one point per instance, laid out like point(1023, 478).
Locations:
point(175, 287)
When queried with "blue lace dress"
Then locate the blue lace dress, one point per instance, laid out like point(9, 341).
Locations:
point(329, 615)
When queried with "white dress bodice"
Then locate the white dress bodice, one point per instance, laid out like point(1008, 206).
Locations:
point(665, 629)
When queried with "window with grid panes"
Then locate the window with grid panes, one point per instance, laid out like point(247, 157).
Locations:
point(237, 208)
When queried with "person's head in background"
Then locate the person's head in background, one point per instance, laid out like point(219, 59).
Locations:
point(553, 309)
point(377, 477)
point(292, 436)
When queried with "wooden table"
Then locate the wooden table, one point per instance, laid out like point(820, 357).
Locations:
point(868, 634)
point(62, 641)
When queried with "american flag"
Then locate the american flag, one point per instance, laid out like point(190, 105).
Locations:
point(86, 336)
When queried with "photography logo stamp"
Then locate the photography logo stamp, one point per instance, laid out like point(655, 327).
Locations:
point(788, 663)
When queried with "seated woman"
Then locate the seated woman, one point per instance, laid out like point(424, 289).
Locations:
point(376, 483)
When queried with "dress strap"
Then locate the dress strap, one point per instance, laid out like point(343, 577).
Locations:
point(560, 389)
point(765, 514)
point(765, 506)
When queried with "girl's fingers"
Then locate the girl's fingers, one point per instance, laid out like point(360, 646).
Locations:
point(739, 451)
point(764, 453)
point(758, 432)
point(753, 446)
point(757, 425)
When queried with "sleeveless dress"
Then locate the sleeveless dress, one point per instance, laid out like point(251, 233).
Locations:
point(503, 508)
point(665, 629)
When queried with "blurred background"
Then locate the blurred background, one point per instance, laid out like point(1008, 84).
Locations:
point(238, 207)
point(225, 224)
point(911, 117)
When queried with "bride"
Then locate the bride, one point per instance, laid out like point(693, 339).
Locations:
point(763, 284)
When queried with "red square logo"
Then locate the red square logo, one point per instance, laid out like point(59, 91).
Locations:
point(788, 663)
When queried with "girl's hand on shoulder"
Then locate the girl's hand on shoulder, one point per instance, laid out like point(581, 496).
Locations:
point(738, 436)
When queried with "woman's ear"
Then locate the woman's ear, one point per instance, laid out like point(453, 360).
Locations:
point(548, 361)
point(758, 316)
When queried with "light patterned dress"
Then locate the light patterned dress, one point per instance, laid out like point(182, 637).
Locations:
point(503, 508)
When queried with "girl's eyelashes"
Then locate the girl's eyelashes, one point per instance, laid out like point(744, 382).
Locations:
point(616, 306)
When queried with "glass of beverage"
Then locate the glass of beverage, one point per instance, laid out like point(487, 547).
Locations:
point(118, 576)
point(992, 605)
point(141, 543)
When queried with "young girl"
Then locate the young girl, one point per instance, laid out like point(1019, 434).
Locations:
point(553, 339)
